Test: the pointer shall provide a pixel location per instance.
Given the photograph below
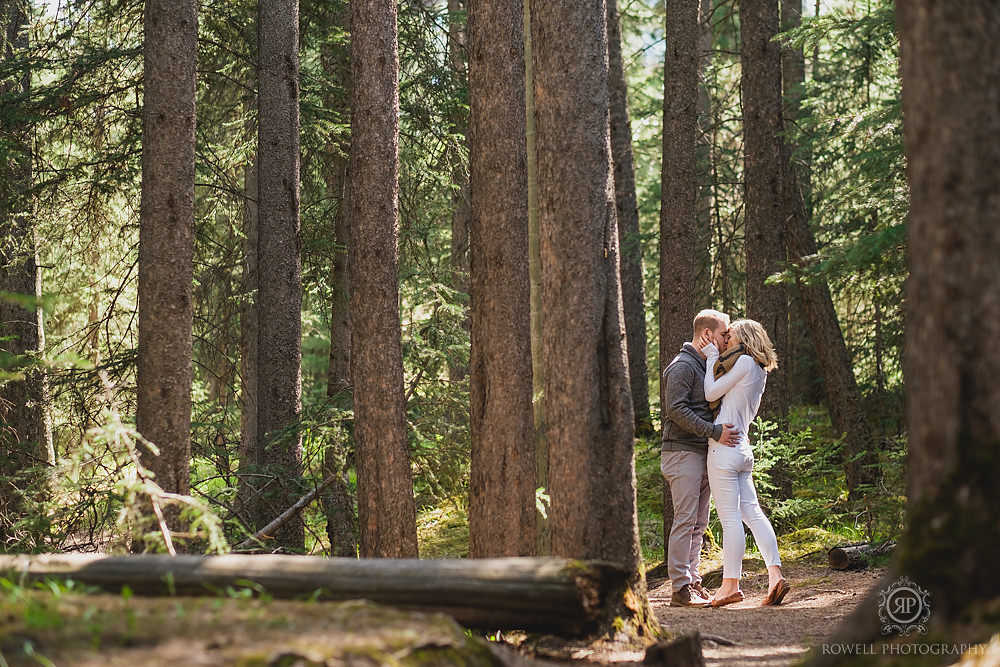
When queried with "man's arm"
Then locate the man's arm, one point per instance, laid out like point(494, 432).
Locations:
point(679, 380)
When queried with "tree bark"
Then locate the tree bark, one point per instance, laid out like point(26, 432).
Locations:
point(279, 288)
point(460, 204)
point(706, 194)
point(804, 385)
point(627, 208)
point(248, 494)
point(678, 202)
point(335, 60)
point(502, 483)
point(842, 395)
point(339, 502)
point(548, 595)
point(166, 243)
point(764, 189)
point(386, 513)
point(535, 278)
point(950, 66)
point(854, 556)
point(678, 214)
point(588, 407)
point(828, 349)
point(25, 431)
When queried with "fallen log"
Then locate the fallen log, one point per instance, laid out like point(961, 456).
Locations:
point(856, 556)
point(549, 595)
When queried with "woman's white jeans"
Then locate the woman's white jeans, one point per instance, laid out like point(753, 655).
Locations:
point(730, 474)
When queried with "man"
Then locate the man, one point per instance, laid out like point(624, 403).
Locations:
point(687, 426)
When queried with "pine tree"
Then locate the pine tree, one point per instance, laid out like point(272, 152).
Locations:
point(588, 408)
point(166, 239)
point(764, 187)
point(950, 66)
point(386, 514)
point(501, 489)
point(633, 302)
point(279, 283)
point(678, 204)
point(25, 434)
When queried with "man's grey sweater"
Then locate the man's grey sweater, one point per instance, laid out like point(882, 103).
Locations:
point(687, 419)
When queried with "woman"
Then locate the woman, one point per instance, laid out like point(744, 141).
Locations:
point(730, 467)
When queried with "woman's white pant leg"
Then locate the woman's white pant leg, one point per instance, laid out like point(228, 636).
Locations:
point(754, 518)
point(723, 476)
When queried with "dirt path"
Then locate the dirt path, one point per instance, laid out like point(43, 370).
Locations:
point(769, 636)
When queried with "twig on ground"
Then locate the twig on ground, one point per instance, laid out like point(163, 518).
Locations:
point(721, 641)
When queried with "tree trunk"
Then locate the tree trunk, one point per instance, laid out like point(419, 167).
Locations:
point(856, 556)
point(950, 66)
point(828, 346)
point(339, 502)
point(804, 380)
point(678, 203)
point(248, 494)
point(338, 379)
point(25, 432)
point(678, 214)
point(764, 189)
point(460, 205)
point(535, 278)
point(812, 298)
point(386, 512)
point(951, 82)
point(588, 408)
point(336, 64)
point(629, 239)
point(166, 240)
point(793, 78)
point(706, 195)
point(279, 288)
point(502, 484)
point(846, 410)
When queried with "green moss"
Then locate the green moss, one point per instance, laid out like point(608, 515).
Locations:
point(443, 531)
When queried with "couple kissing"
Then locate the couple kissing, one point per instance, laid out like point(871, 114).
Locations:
point(706, 451)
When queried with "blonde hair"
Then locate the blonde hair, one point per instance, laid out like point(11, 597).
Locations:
point(756, 341)
point(710, 319)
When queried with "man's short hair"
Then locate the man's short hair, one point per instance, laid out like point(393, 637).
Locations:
point(710, 319)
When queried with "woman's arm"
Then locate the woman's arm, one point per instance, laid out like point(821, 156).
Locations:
point(716, 389)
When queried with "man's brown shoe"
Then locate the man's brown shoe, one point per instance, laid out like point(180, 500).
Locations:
point(686, 597)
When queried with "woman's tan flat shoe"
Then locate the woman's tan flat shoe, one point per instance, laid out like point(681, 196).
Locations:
point(729, 599)
point(775, 597)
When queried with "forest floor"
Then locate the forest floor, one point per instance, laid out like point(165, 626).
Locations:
point(77, 627)
point(769, 636)
point(746, 633)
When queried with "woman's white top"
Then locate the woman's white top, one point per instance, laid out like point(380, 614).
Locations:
point(740, 390)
